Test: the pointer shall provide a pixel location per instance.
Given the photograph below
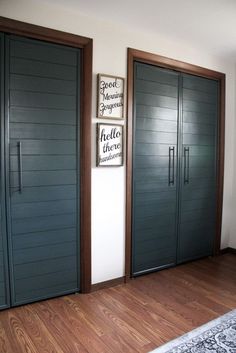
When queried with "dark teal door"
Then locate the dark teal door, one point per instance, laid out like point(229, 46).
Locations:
point(42, 132)
point(197, 216)
point(154, 168)
point(4, 275)
point(174, 167)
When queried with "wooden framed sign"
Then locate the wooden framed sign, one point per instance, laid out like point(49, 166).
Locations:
point(110, 97)
point(109, 145)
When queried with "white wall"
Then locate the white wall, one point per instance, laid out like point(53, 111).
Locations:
point(110, 56)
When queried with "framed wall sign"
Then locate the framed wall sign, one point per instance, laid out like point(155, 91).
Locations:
point(109, 145)
point(110, 92)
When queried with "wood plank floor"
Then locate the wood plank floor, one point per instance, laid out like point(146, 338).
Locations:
point(135, 317)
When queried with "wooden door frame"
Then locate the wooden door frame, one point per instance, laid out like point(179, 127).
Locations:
point(86, 45)
point(164, 62)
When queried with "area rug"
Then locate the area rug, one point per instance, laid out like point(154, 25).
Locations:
point(217, 336)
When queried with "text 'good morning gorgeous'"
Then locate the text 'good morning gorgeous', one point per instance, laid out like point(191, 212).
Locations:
point(111, 97)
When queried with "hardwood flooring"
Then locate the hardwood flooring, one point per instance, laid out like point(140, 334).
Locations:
point(134, 317)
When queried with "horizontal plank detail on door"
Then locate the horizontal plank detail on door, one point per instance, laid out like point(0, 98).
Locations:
point(42, 116)
point(50, 237)
point(44, 193)
point(44, 147)
point(41, 178)
point(38, 209)
point(44, 253)
point(38, 84)
point(44, 223)
point(29, 284)
point(42, 69)
point(53, 265)
point(42, 132)
point(41, 100)
point(148, 112)
point(43, 163)
point(143, 136)
point(43, 52)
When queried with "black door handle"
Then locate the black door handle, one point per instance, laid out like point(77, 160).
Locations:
point(171, 176)
point(20, 166)
point(186, 165)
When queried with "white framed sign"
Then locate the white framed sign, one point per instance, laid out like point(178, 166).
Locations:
point(110, 97)
point(109, 145)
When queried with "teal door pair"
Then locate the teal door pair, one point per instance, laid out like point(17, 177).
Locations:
point(174, 167)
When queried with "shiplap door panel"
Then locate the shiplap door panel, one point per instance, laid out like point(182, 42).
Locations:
point(154, 168)
point(173, 221)
point(43, 107)
point(197, 219)
point(4, 275)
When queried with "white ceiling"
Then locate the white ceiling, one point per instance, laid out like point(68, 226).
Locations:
point(209, 23)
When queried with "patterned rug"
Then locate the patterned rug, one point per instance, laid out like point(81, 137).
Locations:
point(217, 336)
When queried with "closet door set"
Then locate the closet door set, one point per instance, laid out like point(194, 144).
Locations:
point(45, 179)
point(175, 157)
point(174, 179)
